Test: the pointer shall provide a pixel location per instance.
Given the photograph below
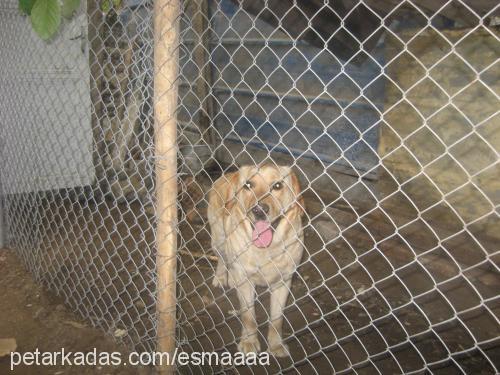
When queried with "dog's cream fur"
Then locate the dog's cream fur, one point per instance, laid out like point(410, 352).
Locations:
point(241, 264)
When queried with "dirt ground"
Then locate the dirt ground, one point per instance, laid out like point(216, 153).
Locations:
point(36, 318)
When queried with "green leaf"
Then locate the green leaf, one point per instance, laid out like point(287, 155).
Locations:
point(105, 6)
point(46, 17)
point(69, 7)
point(26, 5)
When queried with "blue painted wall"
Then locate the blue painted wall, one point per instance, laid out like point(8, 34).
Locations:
point(286, 96)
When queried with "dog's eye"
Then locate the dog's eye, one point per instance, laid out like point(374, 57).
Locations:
point(248, 185)
point(277, 186)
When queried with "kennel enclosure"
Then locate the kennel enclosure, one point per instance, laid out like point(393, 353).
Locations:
point(388, 112)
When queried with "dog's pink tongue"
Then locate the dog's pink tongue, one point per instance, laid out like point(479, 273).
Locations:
point(262, 235)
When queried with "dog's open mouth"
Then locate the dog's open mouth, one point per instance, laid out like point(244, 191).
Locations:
point(262, 234)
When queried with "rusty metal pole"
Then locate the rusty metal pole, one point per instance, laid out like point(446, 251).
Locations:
point(166, 65)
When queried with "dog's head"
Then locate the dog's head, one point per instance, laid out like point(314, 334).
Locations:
point(266, 195)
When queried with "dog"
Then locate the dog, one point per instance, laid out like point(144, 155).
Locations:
point(255, 216)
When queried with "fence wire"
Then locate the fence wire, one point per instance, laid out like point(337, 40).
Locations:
point(386, 112)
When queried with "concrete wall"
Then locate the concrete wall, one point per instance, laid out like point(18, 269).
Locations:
point(440, 136)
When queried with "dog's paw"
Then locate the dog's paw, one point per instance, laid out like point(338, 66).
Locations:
point(249, 345)
point(220, 280)
point(279, 350)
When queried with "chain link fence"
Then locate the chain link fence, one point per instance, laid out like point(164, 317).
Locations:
point(388, 114)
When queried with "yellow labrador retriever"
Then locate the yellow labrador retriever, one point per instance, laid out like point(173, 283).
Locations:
point(255, 217)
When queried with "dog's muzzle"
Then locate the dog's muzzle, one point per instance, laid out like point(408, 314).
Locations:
point(260, 211)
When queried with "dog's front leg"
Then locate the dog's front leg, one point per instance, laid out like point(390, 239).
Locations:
point(279, 295)
point(249, 341)
point(220, 278)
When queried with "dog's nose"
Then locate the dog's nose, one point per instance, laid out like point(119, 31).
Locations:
point(260, 210)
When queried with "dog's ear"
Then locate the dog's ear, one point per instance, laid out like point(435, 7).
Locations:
point(230, 190)
point(296, 190)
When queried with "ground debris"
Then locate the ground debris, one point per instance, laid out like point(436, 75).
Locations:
point(119, 333)
point(74, 324)
point(7, 346)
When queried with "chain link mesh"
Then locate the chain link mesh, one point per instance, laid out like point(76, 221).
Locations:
point(388, 112)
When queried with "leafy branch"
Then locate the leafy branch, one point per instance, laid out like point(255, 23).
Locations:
point(46, 15)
